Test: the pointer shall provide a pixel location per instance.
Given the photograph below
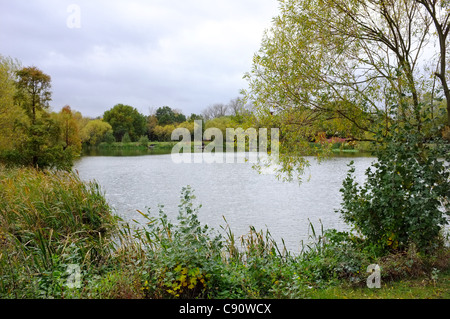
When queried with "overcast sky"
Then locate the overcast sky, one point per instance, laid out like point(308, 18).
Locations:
point(187, 54)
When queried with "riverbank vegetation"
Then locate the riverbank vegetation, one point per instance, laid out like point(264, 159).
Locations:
point(48, 220)
point(32, 133)
point(54, 227)
point(331, 76)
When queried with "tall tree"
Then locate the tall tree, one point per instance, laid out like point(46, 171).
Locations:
point(33, 95)
point(194, 117)
point(179, 116)
point(439, 12)
point(34, 92)
point(126, 119)
point(236, 106)
point(152, 122)
point(165, 115)
point(349, 60)
point(215, 110)
point(70, 133)
point(350, 66)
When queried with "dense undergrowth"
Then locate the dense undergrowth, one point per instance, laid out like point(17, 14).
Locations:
point(60, 239)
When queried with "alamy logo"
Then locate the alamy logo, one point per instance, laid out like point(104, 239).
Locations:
point(74, 19)
point(235, 139)
point(74, 278)
point(374, 280)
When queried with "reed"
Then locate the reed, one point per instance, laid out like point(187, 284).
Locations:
point(49, 219)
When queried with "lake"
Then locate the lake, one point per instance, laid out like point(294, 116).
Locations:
point(232, 190)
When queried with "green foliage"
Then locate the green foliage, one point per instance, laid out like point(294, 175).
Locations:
point(180, 117)
point(222, 123)
point(194, 117)
point(30, 134)
point(95, 131)
point(10, 112)
point(143, 141)
point(48, 220)
point(163, 133)
point(126, 138)
point(187, 260)
point(33, 92)
point(255, 267)
point(70, 138)
point(46, 141)
point(335, 66)
point(182, 257)
point(109, 138)
point(42, 146)
point(165, 116)
point(126, 119)
point(405, 199)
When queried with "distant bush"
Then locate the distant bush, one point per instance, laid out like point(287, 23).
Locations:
point(126, 138)
point(109, 138)
point(143, 141)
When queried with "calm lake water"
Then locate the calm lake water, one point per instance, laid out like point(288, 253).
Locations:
point(233, 190)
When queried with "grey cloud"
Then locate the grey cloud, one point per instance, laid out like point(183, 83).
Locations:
point(186, 54)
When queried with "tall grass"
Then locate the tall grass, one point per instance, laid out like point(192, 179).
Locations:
point(49, 219)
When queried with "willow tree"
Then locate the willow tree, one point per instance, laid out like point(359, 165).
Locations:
point(348, 67)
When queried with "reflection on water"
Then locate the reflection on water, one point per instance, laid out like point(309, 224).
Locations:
point(235, 191)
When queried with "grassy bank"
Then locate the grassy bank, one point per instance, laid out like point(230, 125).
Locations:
point(436, 286)
point(130, 145)
point(128, 149)
point(53, 226)
point(155, 147)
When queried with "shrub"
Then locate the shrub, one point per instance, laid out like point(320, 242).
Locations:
point(115, 284)
point(405, 198)
point(109, 138)
point(143, 140)
point(126, 138)
point(181, 258)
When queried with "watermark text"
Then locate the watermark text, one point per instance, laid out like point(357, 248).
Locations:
point(236, 139)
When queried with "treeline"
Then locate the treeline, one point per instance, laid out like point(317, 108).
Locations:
point(128, 125)
point(31, 134)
